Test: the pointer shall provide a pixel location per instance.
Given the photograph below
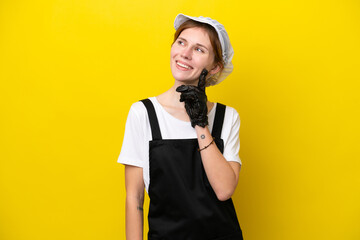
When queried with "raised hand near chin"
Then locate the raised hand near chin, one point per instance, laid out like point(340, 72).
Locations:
point(195, 101)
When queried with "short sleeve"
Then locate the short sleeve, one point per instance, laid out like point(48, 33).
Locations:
point(232, 138)
point(133, 152)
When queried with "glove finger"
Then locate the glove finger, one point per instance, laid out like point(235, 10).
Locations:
point(191, 98)
point(182, 88)
point(182, 98)
point(201, 83)
point(189, 95)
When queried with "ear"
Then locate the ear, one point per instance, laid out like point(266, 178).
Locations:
point(215, 69)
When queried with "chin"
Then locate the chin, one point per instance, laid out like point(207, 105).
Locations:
point(183, 79)
point(182, 76)
point(186, 82)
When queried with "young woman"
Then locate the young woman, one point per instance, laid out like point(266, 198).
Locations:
point(184, 149)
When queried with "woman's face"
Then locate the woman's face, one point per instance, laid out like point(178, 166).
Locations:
point(190, 54)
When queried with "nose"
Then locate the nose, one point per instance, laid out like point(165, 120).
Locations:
point(186, 53)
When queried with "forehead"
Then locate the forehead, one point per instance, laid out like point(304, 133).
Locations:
point(196, 35)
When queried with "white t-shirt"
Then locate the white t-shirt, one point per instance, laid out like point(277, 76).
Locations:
point(135, 147)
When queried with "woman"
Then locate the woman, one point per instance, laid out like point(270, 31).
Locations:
point(182, 148)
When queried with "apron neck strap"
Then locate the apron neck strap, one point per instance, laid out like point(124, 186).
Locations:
point(218, 121)
point(154, 124)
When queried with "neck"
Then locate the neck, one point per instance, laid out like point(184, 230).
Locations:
point(171, 97)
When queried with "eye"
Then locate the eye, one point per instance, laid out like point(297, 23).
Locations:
point(199, 50)
point(180, 42)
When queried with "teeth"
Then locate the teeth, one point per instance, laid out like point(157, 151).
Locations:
point(182, 65)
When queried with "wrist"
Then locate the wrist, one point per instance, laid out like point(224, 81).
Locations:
point(205, 139)
point(202, 131)
point(199, 121)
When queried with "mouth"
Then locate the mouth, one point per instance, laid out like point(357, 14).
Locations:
point(183, 65)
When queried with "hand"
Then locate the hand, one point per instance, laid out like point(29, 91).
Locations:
point(195, 101)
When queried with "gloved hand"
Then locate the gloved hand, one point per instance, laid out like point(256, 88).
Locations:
point(195, 101)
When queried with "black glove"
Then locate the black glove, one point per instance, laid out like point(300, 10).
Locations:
point(195, 101)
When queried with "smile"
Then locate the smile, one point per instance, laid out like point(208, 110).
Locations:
point(183, 65)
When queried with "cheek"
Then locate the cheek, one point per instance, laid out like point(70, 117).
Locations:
point(205, 61)
point(171, 52)
point(174, 50)
point(210, 61)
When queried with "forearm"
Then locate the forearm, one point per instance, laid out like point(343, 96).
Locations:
point(219, 172)
point(134, 218)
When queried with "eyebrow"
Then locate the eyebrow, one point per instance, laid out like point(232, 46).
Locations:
point(196, 43)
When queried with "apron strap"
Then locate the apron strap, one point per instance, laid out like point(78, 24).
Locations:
point(154, 124)
point(218, 121)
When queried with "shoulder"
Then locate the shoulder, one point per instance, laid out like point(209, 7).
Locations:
point(137, 116)
point(231, 110)
point(138, 110)
point(231, 114)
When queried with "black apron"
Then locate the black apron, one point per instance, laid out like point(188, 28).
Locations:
point(183, 205)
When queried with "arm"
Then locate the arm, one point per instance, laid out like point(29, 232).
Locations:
point(134, 202)
point(222, 175)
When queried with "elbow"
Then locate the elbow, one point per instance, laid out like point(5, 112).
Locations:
point(224, 195)
point(225, 192)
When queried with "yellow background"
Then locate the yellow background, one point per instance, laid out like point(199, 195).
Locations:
point(70, 70)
